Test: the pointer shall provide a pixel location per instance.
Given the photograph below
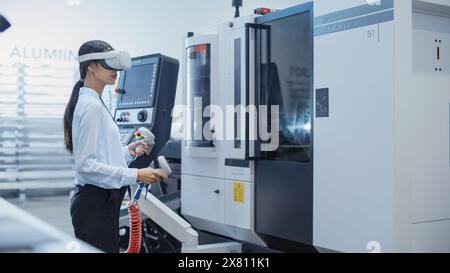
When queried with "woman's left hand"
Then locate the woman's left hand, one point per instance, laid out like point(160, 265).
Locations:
point(144, 149)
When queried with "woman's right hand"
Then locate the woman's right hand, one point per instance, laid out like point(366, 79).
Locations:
point(151, 176)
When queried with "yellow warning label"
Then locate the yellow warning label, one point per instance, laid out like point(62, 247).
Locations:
point(239, 189)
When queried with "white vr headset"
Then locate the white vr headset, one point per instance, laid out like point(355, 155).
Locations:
point(112, 60)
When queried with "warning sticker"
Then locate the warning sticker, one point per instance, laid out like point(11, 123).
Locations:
point(239, 189)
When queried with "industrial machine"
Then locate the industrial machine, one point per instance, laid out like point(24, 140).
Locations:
point(234, 187)
point(146, 99)
point(144, 112)
point(360, 158)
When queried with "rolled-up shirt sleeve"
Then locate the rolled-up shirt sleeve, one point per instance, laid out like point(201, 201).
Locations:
point(87, 163)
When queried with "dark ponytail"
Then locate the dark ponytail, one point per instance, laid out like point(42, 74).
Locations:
point(68, 115)
point(86, 48)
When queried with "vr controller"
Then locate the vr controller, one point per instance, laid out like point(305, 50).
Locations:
point(161, 162)
point(164, 165)
point(149, 138)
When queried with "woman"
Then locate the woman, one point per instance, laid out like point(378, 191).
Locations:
point(101, 172)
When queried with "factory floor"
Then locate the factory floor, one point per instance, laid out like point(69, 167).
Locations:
point(52, 210)
point(55, 210)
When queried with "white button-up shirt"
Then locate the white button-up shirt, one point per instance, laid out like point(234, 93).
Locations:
point(100, 159)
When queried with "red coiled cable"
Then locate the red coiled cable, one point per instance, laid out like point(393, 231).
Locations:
point(135, 243)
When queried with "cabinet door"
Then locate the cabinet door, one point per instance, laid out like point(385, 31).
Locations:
point(203, 198)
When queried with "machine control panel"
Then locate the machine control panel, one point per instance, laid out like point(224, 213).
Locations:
point(134, 116)
point(145, 99)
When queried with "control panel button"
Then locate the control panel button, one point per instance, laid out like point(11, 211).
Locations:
point(142, 116)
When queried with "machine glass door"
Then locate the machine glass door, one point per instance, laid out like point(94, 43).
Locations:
point(202, 92)
point(284, 176)
point(199, 93)
point(286, 82)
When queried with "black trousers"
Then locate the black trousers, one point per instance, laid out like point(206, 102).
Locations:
point(95, 216)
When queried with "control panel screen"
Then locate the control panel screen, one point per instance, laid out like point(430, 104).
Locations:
point(139, 87)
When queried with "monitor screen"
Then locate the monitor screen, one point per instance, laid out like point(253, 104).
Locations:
point(139, 86)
